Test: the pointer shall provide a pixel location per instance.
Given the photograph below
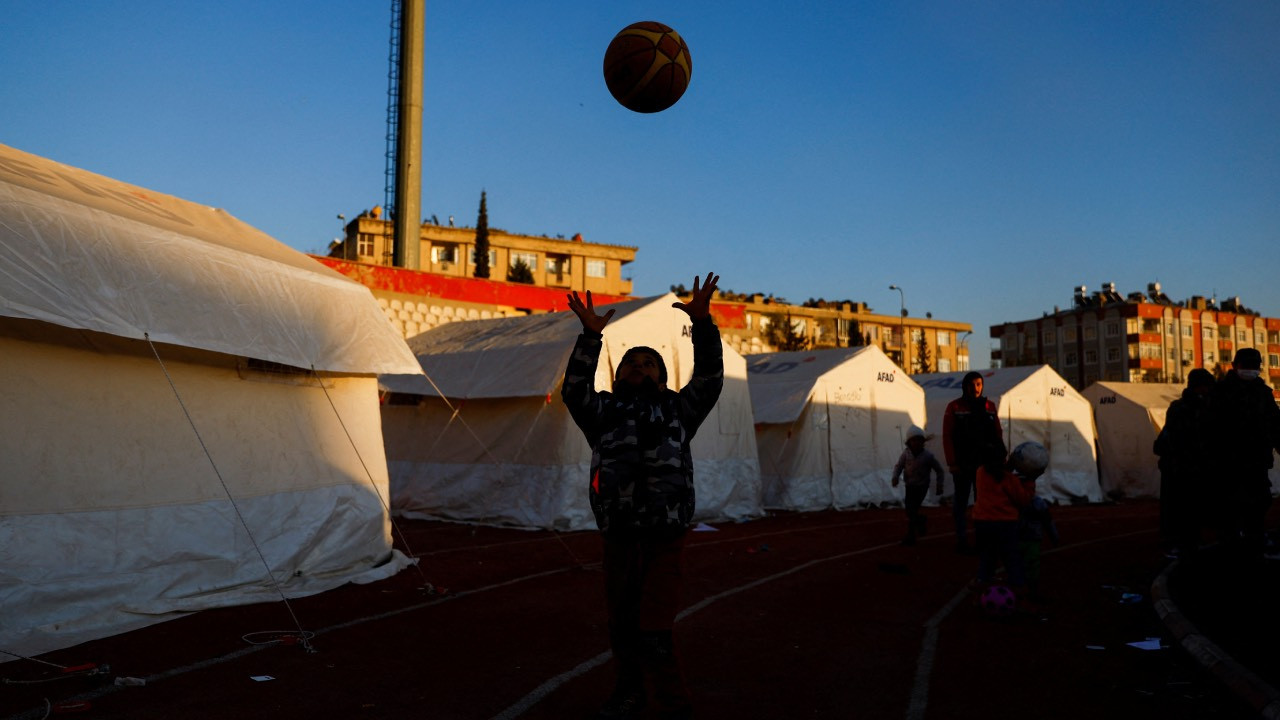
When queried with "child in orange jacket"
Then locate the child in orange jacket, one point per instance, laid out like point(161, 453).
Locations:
point(1004, 488)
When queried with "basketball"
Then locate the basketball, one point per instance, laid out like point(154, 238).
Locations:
point(1029, 459)
point(647, 67)
point(998, 601)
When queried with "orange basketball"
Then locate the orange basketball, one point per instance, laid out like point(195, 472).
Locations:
point(647, 67)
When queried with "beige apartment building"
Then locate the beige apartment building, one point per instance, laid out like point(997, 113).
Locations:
point(445, 290)
point(744, 322)
point(1139, 337)
point(572, 264)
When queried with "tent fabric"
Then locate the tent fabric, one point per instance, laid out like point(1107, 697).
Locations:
point(1035, 404)
point(88, 252)
point(488, 440)
point(830, 425)
point(140, 480)
point(1128, 417)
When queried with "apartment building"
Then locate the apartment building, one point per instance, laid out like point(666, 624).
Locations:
point(445, 290)
point(572, 264)
point(1139, 337)
point(745, 321)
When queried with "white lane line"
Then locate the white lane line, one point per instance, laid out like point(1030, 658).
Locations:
point(554, 683)
point(929, 647)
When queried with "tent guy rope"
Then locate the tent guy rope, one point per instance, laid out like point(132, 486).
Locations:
point(306, 644)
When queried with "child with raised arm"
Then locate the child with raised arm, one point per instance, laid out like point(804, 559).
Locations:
point(641, 492)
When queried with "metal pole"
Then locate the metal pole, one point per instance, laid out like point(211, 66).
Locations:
point(902, 327)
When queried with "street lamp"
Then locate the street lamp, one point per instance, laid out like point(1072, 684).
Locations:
point(962, 343)
point(346, 246)
point(902, 327)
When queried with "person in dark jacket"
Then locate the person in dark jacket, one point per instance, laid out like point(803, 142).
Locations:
point(1245, 427)
point(970, 433)
point(641, 492)
point(1184, 464)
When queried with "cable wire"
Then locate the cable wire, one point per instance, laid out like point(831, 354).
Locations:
point(243, 522)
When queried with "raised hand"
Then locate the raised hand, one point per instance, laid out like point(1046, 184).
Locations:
point(699, 306)
point(587, 313)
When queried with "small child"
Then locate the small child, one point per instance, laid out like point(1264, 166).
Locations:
point(1004, 489)
point(1034, 524)
point(914, 466)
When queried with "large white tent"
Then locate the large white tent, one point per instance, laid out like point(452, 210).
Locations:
point(830, 425)
point(484, 437)
point(175, 390)
point(1035, 404)
point(1128, 417)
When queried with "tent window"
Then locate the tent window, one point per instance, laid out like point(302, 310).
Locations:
point(268, 371)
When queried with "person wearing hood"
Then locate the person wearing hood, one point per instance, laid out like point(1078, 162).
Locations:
point(1245, 431)
point(1181, 447)
point(641, 492)
point(971, 433)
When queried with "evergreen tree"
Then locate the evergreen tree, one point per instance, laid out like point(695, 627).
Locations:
point(520, 272)
point(856, 338)
point(482, 241)
point(924, 361)
point(783, 335)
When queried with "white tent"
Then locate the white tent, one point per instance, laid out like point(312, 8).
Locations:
point(1128, 417)
point(830, 425)
point(160, 416)
point(1035, 403)
point(501, 448)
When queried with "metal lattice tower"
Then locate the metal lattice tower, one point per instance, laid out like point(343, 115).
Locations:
point(393, 131)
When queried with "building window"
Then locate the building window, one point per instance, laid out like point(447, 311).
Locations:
point(1208, 358)
point(1113, 328)
point(1273, 359)
point(1259, 337)
point(1206, 333)
point(1071, 360)
point(596, 268)
point(1069, 334)
point(493, 257)
point(530, 259)
point(364, 245)
point(916, 335)
point(1173, 354)
point(444, 253)
point(1186, 330)
point(1224, 356)
point(558, 265)
point(1090, 332)
point(1186, 357)
point(1168, 328)
point(1090, 357)
point(1242, 336)
point(944, 364)
point(1048, 337)
point(944, 338)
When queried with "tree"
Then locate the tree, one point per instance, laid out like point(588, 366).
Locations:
point(520, 272)
point(856, 338)
point(783, 335)
point(482, 241)
point(923, 359)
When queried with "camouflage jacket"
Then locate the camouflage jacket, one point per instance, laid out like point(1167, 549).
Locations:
point(641, 468)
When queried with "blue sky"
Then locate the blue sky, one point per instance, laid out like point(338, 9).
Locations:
point(986, 157)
